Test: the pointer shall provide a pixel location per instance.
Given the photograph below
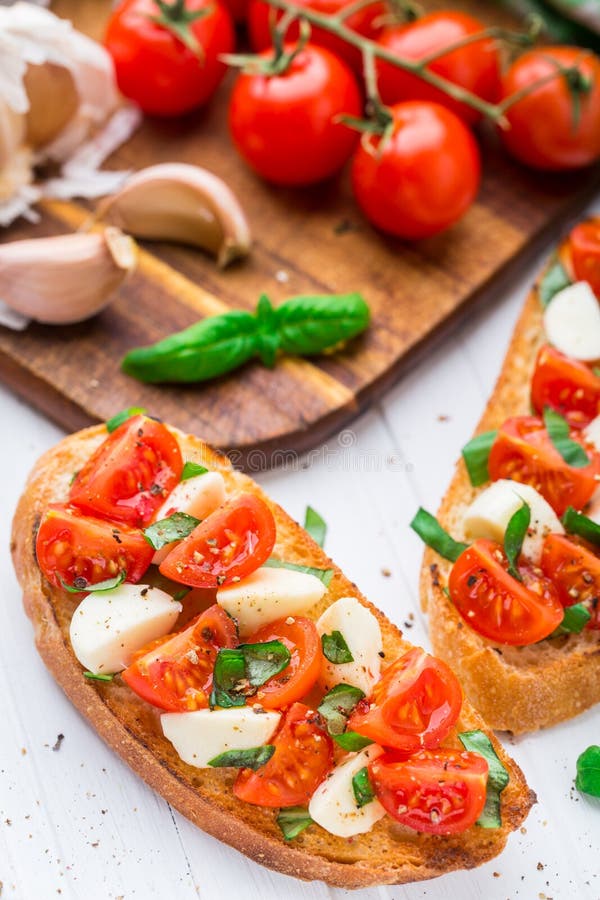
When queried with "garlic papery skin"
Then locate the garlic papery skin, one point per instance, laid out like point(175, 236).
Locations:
point(65, 279)
point(184, 204)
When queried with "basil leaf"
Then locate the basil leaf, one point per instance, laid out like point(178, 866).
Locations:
point(97, 676)
point(293, 821)
point(228, 675)
point(192, 469)
point(575, 619)
point(588, 771)
point(362, 788)
point(239, 672)
point(265, 660)
point(337, 705)
point(514, 537)
point(179, 595)
point(253, 758)
point(555, 278)
point(324, 575)
point(315, 525)
point(431, 532)
point(268, 336)
point(558, 431)
point(80, 584)
point(498, 777)
point(335, 648)
point(309, 325)
point(352, 741)
point(173, 528)
point(476, 454)
point(576, 523)
point(113, 423)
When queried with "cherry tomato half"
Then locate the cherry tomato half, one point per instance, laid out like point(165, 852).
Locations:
point(130, 474)
point(566, 385)
point(423, 178)
point(229, 544)
point(498, 606)
point(301, 638)
point(584, 243)
point(575, 573)
point(414, 704)
point(303, 757)
point(435, 791)
point(175, 672)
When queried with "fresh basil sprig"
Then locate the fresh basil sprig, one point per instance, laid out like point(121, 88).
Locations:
point(559, 433)
point(588, 771)
point(173, 528)
point(239, 673)
point(362, 787)
point(301, 326)
point(576, 522)
point(575, 619)
point(431, 532)
point(335, 648)
point(192, 469)
point(293, 820)
point(476, 455)
point(498, 777)
point(352, 741)
point(80, 584)
point(337, 705)
point(315, 525)
point(113, 423)
point(324, 575)
point(252, 758)
point(555, 279)
point(514, 537)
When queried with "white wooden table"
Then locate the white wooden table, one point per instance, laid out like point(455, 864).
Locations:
point(76, 823)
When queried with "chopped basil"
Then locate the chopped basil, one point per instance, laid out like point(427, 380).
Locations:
point(498, 778)
point(315, 525)
point(337, 705)
point(97, 676)
point(558, 431)
point(335, 648)
point(588, 771)
point(173, 528)
point(229, 673)
point(476, 454)
point(362, 787)
point(80, 584)
point(431, 532)
point(576, 523)
point(179, 595)
point(253, 758)
point(293, 821)
point(113, 423)
point(265, 660)
point(192, 469)
point(514, 537)
point(575, 619)
point(352, 741)
point(554, 280)
point(324, 575)
point(239, 673)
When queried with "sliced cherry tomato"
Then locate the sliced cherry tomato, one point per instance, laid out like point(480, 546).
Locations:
point(303, 757)
point(435, 791)
point(79, 550)
point(175, 673)
point(498, 606)
point(229, 544)
point(301, 638)
point(130, 474)
point(566, 385)
point(584, 243)
point(524, 452)
point(575, 573)
point(414, 704)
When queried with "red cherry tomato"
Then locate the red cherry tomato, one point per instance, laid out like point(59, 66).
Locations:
point(498, 606)
point(301, 638)
point(130, 474)
point(285, 126)
point(566, 385)
point(435, 791)
point(229, 544)
point(524, 452)
point(303, 757)
point(423, 178)
point(584, 242)
point(475, 66)
point(175, 672)
point(553, 127)
point(155, 68)
point(414, 704)
point(575, 573)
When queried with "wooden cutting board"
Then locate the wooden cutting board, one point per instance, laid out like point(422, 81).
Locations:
point(305, 241)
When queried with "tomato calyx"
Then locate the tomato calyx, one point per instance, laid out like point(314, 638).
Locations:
point(278, 63)
point(177, 19)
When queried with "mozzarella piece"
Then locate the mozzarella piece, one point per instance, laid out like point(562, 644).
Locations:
point(109, 626)
point(572, 322)
point(198, 496)
point(333, 804)
point(201, 735)
point(490, 512)
point(591, 433)
point(269, 594)
point(360, 629)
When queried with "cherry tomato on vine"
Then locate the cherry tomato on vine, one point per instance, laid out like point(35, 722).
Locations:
point(565, 385)
point(423, 178)
point(285, 126)
point(167, 56)
point(584, 243)
point(575, 573)
point(555, 126)
point(475, 66)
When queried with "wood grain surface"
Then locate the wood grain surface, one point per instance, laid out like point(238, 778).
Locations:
point(310, 240)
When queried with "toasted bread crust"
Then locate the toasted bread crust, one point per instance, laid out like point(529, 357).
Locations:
point(389, 854)
point(516, 689)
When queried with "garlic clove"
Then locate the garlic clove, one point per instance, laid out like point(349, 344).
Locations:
point(181, 203)
point(53, 101)
point(65, 279)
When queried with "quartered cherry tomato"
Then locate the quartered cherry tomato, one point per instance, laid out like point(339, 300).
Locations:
point(80, 550)
point(130, 474)
point(175, 672)
point(435, 791)
point(229, 544)
point(565, 385)
point(575, 573)
point(475, 66)
point(300, 636)
point(414, 704)
point(584, 243)
point(497, 605)
point(303, 757)
point(524, 452)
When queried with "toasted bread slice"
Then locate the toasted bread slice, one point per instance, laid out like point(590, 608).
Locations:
point(515, 689)
point(388, 854)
